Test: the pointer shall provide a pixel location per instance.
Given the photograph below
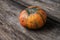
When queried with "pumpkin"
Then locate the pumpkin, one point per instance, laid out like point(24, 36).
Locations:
point(32, 17)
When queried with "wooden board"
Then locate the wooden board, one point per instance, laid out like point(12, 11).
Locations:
point(10, 28)
point(52, 7)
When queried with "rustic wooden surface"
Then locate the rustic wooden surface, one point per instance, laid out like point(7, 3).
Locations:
point(52, 7)
point(10, 29)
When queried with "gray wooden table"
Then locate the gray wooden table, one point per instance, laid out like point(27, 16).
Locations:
point(52, 7)
point(10, 29)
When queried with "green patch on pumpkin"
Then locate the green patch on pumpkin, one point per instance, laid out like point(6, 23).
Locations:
point(31, 10)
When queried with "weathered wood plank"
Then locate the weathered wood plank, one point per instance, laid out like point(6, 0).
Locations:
point(52, 7)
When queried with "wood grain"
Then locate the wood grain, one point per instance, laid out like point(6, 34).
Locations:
point(10, 28)
point(52, 7)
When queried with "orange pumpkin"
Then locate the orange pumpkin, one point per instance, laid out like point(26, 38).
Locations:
point(33, 17)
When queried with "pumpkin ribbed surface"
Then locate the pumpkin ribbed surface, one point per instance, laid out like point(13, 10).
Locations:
point(32, 17)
